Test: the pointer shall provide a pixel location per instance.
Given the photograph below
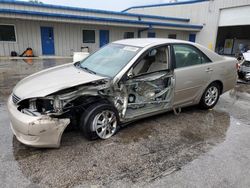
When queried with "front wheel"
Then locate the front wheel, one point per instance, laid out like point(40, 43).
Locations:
point(210, 97)
point(99, 121)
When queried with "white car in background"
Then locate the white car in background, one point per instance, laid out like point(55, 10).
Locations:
point(244, 67)
point(122, 82)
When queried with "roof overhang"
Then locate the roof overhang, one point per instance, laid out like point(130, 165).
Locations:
point(164, 4)
point(87, 10)
point(47, 16)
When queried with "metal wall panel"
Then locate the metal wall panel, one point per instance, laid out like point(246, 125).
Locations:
point(67, 36)
point(78, 11)
point(84, 15)
point(68, 32)
point(206, 13)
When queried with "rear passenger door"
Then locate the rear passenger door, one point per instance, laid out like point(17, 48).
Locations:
point(191, 71)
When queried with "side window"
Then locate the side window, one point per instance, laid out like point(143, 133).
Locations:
point(187, 55)
point(154, 60)
point(7, 33)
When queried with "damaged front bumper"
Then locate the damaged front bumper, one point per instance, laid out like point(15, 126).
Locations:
point(36, 131)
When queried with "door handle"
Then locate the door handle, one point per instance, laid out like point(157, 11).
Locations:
point(209, 70)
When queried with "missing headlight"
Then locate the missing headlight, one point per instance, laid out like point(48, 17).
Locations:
point(44, 105)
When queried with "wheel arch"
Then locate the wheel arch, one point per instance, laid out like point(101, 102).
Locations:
point(81, 103)
point(220, 83)
point(87, 100)
point(201, 101)
point(86, 127)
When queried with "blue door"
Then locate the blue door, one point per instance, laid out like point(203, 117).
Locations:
point(47, 38)
point(104, 37)
point(192, 37)
point(151, 34)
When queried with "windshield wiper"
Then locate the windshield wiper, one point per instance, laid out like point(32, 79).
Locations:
point(87, 69)
point(78, 65)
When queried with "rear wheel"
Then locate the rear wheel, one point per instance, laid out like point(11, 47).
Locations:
point(99, 121)
point(210, 97)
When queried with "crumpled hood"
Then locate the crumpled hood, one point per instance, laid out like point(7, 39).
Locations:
point(52, 80)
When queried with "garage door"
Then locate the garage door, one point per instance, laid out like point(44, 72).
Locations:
point(235, 16)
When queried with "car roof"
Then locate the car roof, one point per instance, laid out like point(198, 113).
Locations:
point(143, 42)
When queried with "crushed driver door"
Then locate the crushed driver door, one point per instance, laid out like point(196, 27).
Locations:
point(150, 84)
point(149, 93)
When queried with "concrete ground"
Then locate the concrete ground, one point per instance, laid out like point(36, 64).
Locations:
point(195, 149)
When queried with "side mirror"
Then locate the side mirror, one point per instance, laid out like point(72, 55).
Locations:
point(130, 73)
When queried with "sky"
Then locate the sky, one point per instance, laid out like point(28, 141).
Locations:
point(115, 5)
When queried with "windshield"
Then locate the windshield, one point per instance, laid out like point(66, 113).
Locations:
point(109, 61)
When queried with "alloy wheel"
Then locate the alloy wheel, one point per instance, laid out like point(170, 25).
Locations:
point(105, 124)
point(211, 95)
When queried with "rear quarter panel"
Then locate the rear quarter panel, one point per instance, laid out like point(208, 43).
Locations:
point(225, 71)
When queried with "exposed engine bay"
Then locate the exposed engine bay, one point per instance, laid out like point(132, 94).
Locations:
point(63, 101)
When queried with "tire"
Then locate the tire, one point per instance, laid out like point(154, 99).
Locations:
point(99, 121)
point(210, 96)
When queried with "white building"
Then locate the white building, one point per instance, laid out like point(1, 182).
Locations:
point(226, 23)
point(220, 25)
point(60, 30)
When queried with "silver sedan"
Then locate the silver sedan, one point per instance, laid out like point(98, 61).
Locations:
point(122, 82)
